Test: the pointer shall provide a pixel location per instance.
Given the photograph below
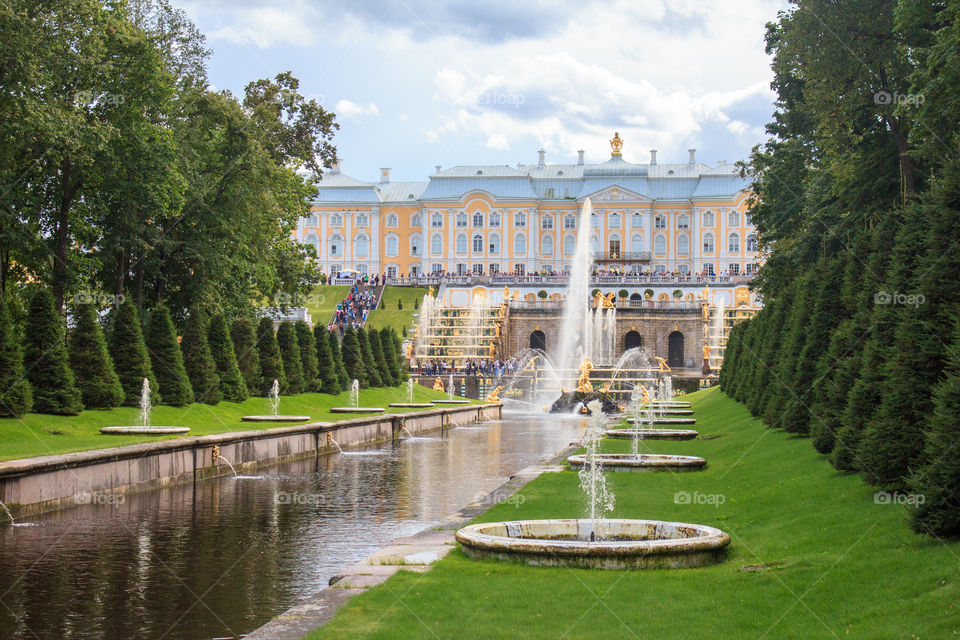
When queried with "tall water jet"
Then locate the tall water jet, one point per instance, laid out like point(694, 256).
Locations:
point(574, 320)
point(355, 393)
point(354, 402)
point(410, 390)
point(274, 416)
point(145, 405)
point(275, 397)
point(599, 498)
point(450, 389)
point(143, 419)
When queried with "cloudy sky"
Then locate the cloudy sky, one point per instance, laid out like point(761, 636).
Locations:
point(420, 83)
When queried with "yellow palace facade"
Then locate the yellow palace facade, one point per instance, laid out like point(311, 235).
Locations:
point(686, 219)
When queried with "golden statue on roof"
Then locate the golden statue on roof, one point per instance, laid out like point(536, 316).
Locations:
point(616, 144)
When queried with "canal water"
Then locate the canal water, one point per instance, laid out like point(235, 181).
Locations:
point(219, 558)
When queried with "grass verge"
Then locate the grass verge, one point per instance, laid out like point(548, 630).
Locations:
point(388, 315)
point(813, 555)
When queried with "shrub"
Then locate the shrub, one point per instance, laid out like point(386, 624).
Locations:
point(542, 294)
point(376, 346)
point(308, 356)
point(336, 353)
point(232, 384)
point(248, 358)
point(353, 358)
point(623, 293)
point(130, 357)
point(198, 361)
point(16, 396)
point(369, 363)
point(91, 362)
point(172, 382)
point(399, 304)
point(271, 366)
point(290, 354)
point(327, 377)
point(46, 361)
point(648, 293)
point(677, 294)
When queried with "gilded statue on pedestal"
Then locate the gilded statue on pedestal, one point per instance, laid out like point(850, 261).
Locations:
point(583, 382)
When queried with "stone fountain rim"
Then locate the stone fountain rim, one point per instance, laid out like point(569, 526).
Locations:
point(417, 405)
point(273, 418)
point(709, 538)
point(357, 409)
point(144, 431)
point(646, 461)
point(652, 434)
point(463, 401)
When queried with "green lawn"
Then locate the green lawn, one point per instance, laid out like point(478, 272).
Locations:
point(322, 302)
point(37, 435)
point(389, 316)
point(812, 556)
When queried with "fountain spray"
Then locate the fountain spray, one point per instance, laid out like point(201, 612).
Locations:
point(592, 480)
point(275, 396)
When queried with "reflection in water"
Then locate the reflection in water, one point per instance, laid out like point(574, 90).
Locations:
point(221, 557)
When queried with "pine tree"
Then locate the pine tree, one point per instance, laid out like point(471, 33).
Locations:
point(308, 356)
point(244, 338)
point(232, 384)
point(131, 360)
point(353, 358)
point(271, 365)
point(369, 364)
point(16, 396)
point(290, 354)
point(326, 366)
point(937, 477)
point(402, 366)
point(172, 381)
point(386, 375)
point(46, 361)
point(389, 355)
point(336, 353)
point(90, 361)
point(198, 360)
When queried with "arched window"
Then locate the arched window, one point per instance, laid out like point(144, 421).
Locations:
point(336, 220)
point(636, 243)
point(594, 221)
point(392, 245)
point(494, 219)
point(478, 219)
point(361, 245)
point(570, 221)
point(594, 244)
point(569, 245)
point(538, 340)
point(752, 242)
point(546, 222)
point(636, 221)
point(733, 246)
point(336, 246)
point(733, 219)
point(546, 246)
point(708, 243)
point(477, 243)
point(313, 240)
point(675, 349)
point(683, 221)
point(416, 220)
point(660, 222)
point(707, 218)
point(416, 242)
point(461, 219)
point(461, 245)
point(633, 339)
point(520, 244)
point(494, 243)
point(520, 219)
point(362, 219)
point(614, 220)
point(436, 244)
point(684, 269)
point(683, 245)
point(660, 245)
point(436, 219)
point(392, 220)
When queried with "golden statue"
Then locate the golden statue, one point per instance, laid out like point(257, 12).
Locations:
point(610, 300)
point(583, 382)
point(430, 292)
point(598, 300)
point(506, 293)
point(494, 395)
point(409, 351)
point(605, 387)
point(492, 351)
point(706, 352)
point(645, 395)
point(663, 363)
point(438, 385)
point(616, 144)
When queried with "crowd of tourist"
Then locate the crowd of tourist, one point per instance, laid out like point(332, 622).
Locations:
point(352, 310)
point(486, 368)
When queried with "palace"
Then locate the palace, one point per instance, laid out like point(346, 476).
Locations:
point(651, 218)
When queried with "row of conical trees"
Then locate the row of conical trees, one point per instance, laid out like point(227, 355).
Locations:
point(47, 368)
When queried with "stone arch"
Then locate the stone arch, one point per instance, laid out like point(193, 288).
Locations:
point(632, 340)
point(538, 340)
point(675, 349)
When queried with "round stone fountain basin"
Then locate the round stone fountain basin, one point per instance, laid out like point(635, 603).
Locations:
point(670, 404)
point(653, 434)
point(145, 431)
point(642, 462)
point(451, 402)
point(357, 409)
point(412, 405)
point(664, 420)
point(596, 544)
point(669, 411)
point(272, 418)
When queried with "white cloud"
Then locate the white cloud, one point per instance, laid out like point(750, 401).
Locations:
point(352, 111)
point(267, 26)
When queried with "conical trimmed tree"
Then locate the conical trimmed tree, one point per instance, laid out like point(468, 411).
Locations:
point(91, 362)
point(353, 358)
point(369, 364)
point(199, 362)
point(16, 396)
point(290, 354)
point(167, 360)
point(131, 360)
point(232, 384)
point(386, 375)
point(308, 356)
point(389, 355)
point(45, 359)
point(271, 365)
point(336, 354)
point(326, 367)
point(248, 357)
point(402, 366)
